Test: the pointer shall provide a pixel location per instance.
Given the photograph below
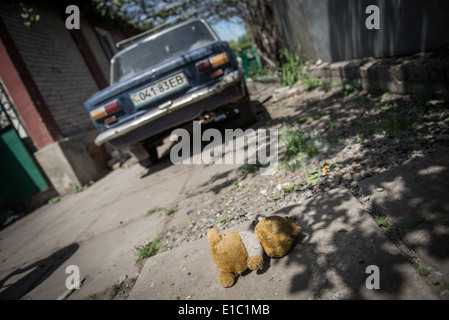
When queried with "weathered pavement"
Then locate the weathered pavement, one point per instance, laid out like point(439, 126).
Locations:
point(97, 229)
point(339, 240)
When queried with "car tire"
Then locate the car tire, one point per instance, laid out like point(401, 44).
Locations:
point(247, 115)
point(152, 159)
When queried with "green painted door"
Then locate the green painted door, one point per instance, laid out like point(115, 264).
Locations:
point(20, 177)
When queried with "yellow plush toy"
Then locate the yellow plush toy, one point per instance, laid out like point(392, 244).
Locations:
point(276, 235)
point(234, 252)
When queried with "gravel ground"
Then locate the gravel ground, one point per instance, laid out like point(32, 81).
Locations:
point(357, 134)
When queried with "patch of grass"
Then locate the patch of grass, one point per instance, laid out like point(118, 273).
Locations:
point(295, 68)
point(114, 290)
point(315, 116)
point(54, 200)
point(78, 189)
point(222, 219)
point(291, 67)
point(423, 272)
point(351, 86)
point(392, 124)
point(252, 167)
point(299, 147)
point(396, 123)
point(169, 211)
point(155, 209)
point(149, 249)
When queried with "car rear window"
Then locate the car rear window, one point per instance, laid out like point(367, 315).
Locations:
point(159, 48)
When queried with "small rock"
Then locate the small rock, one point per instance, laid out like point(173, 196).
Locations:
point(122, 279)
point(354, 184)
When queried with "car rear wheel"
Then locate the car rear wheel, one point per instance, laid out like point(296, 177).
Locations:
point(152, 159)
point(247, 115)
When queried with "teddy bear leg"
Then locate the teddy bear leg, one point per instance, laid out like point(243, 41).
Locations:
point(226, 279)
point(255, 262)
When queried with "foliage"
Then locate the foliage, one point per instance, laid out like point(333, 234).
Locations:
point(299, 147)
point(294, 68)
point(149, 249)
point(291, 67)
point(350, 86)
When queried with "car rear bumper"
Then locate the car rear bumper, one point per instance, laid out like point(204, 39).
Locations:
point(175, 112)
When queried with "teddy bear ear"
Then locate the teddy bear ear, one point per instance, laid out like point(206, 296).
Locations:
point(213, 236)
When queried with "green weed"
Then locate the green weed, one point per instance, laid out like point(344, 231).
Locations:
point(252, 167)
point(299, 147)
point(155, 209)
point(351, 86)
point(149, 249)
point(54, 200)
point(390, 125)
point(114, 290)
point(295, 68)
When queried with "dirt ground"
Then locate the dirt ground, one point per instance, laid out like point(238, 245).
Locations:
point(98, 229)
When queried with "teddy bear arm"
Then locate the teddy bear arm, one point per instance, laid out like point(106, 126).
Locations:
point(255, 262)
point(253, 248)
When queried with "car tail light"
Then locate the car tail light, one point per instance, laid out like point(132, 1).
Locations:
point(104, 111)
point(211, 63)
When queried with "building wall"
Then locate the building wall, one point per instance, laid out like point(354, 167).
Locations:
point(334, 30)
point(56, 66)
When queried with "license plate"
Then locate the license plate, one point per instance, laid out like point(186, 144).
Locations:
point(159, 90)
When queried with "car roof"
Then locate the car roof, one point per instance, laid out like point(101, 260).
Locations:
point(160, 32)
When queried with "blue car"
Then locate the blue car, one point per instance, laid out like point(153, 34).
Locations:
point(164, 81)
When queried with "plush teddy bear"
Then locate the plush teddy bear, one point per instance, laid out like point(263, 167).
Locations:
point(276, 235)
point(234, 252)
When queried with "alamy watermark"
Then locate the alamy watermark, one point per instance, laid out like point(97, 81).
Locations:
point(372, 22)
point(73, 280)
point(373, 280)
point(237, 144)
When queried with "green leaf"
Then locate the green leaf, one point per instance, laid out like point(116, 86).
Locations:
point(382, 223)
point(53, 200)
point(342, 230)
point(313, 179)
point(223, 219)
point(423, 272)
point(288, 187)
point(444, 286)
point(169, 211)
point(409, 223)
point(276, 197)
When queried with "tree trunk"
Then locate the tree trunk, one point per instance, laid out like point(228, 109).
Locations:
point(265, 34)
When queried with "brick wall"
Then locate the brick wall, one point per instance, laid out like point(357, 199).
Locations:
point(56, 66)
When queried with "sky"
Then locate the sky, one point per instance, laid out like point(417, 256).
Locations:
point(228, 31)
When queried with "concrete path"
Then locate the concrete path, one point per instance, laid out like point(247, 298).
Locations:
point(97, 230)
point(415, 196)
point(324, 263)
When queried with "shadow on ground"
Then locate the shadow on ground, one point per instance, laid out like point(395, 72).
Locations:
point(29, 277)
